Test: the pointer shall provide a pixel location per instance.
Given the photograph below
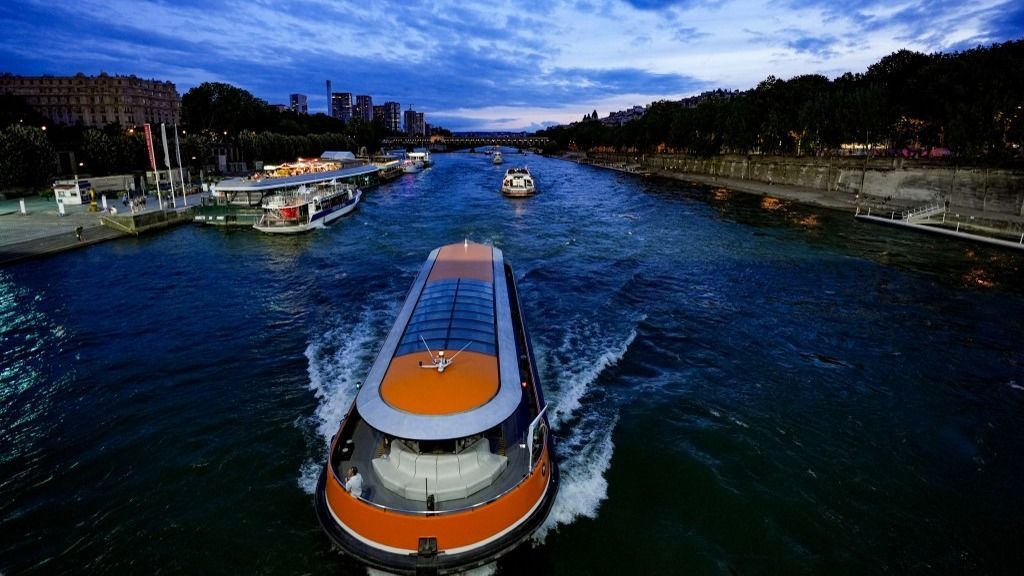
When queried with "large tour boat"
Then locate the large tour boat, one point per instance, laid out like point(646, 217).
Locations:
point(241, 201)
point(518, 183)
point(313, 206)
point(448, 432)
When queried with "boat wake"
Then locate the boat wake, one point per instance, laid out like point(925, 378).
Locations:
point(582, 414)
point(337, 360)
point(584, 436)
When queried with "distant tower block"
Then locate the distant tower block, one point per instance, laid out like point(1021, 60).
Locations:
point(330, 103)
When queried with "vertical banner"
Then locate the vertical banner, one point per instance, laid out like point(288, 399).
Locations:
point(149, 146)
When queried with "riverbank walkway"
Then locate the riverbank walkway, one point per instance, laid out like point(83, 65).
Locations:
point(42, 231)
point(957, 222)
point(833, 199)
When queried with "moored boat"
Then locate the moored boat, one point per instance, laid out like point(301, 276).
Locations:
point(518, 183)
point(310, 207)
point(448, 431)
point(416, 161)
point(240, 201)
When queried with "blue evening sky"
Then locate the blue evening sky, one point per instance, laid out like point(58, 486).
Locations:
point(498, 65)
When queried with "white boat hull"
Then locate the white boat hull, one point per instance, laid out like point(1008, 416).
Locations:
point(318, 220)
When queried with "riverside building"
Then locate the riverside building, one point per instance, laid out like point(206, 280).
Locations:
point(364, 108)
point(414, 123)
point(97, 100)
point(298, 103)
point(341, 106)
point(393, 116)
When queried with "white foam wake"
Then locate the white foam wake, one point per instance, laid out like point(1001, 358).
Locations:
point(586, 447)
point(338, 359)
point(586, 457)
point(580, 371)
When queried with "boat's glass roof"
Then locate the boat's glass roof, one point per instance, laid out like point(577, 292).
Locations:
point(452, 314)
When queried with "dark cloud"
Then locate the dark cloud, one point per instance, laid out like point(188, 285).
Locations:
point(818, 46)
point(687, 35)
point(658, 5)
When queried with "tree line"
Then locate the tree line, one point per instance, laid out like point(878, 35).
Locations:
point(213, 116)
point(970, 103)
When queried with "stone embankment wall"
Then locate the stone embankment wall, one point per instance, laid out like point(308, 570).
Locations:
point(898, 182)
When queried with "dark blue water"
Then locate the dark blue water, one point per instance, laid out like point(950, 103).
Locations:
point(739, 385)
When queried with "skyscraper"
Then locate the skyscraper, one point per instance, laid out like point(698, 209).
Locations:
point(364, 108)
point(297, 102)
point(393, 116)
point(414, 123)
point(341, 105)
point(330, 102)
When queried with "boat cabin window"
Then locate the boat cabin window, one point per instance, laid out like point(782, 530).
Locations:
point(452, 314)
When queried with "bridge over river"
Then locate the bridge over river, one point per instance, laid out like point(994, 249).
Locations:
point(467, 141)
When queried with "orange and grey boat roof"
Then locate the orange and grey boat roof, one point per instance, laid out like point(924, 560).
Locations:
point(458, 305)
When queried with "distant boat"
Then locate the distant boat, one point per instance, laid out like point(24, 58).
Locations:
point(416, 161)
point(518, 183)
point(311, 207)
point(497, 159)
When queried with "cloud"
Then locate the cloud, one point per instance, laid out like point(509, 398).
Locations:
point(537, 61)
point(818, 46)
point(660, 5)
point(688, 35)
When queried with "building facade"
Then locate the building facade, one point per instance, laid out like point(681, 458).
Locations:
point(97, 100)
point(364, 108)
point(330, 101)
point(298, 103)
point(341, 106)
point(415, 124)
point(393, 116)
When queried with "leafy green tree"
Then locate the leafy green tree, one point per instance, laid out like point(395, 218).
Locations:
point(220, 107)
point(27, 159)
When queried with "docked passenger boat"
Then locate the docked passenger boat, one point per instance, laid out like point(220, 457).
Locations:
point(241, 201)
point(518, 183)
point(416, 161)
point(390, 168)
point(497, 159)
point(309, 207)
point(448, 431)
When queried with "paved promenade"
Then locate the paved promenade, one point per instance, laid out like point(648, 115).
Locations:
point(814, 197)
point(44, 231)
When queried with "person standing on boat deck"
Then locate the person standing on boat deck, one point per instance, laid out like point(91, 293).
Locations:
point(354, 482)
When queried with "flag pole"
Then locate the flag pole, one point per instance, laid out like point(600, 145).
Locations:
point(181, 171)
point(167, 161)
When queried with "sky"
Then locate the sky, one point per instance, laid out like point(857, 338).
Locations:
point(499, 65)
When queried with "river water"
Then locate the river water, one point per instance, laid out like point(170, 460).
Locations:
point(738, 385)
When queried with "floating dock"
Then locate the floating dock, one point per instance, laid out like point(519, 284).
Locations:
point(911, 220)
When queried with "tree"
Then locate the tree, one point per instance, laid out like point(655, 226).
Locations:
point(26, 157)
point(221, 107)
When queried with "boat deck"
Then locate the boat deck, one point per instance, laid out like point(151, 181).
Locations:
point(368, 444)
